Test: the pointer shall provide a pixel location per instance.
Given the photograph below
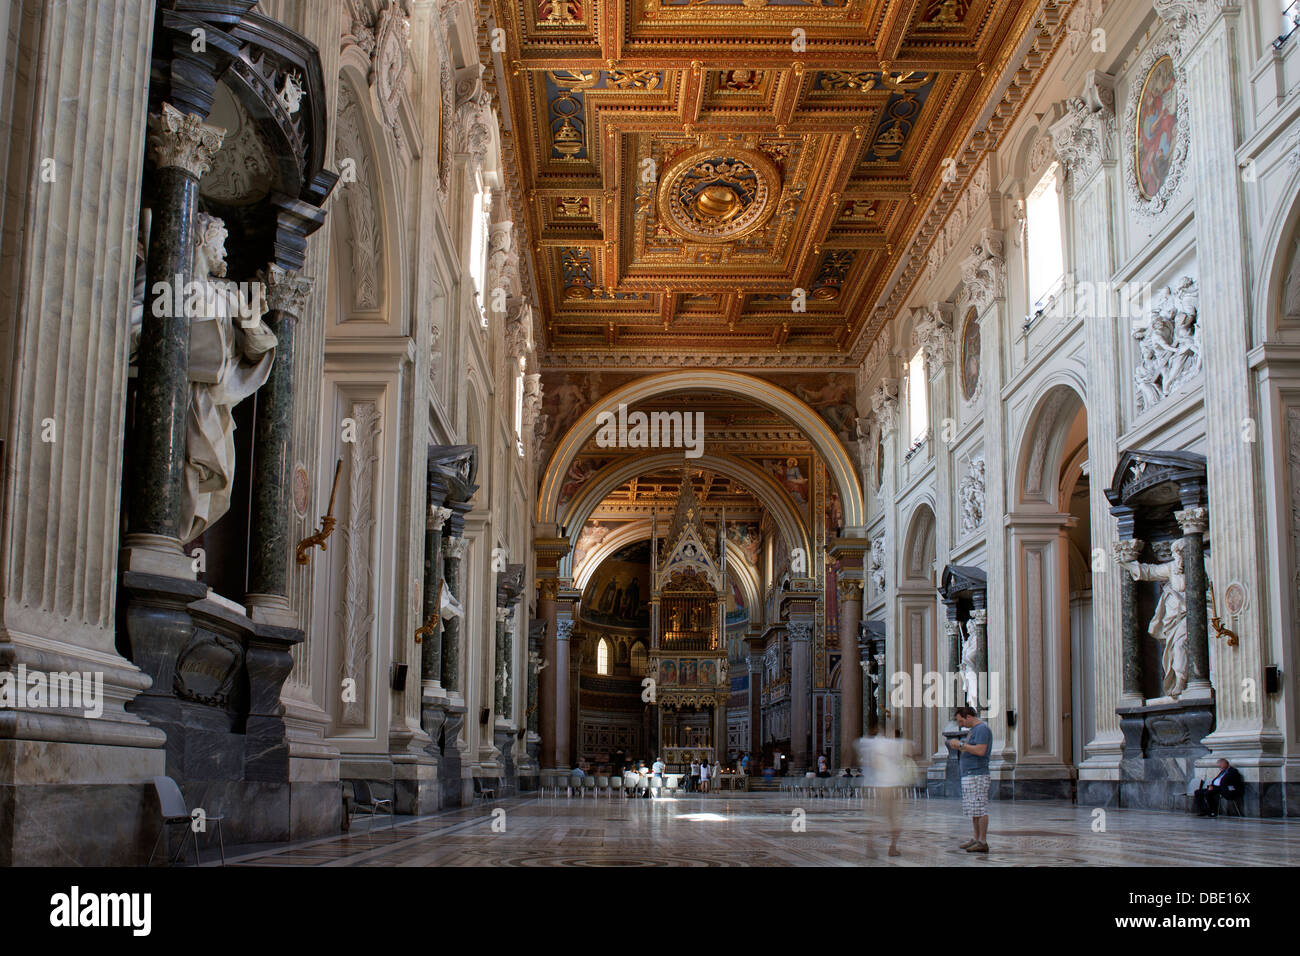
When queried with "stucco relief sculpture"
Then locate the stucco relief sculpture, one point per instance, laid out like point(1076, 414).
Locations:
point(1169, 622)
point(876, 564)
point(231, 351)
point(970, 493)
point(1169, 345)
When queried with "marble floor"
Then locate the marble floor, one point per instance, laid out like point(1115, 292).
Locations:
point(764, 829)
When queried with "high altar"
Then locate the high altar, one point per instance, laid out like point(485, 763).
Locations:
point(688, 655)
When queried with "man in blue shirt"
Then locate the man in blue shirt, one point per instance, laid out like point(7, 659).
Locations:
point(974, 765)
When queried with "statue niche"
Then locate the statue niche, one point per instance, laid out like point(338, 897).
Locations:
point(231, 353)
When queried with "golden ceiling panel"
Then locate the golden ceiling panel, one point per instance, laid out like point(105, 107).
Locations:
point(736, 176)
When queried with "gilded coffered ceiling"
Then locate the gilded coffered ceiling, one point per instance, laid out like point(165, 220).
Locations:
point(736, 176)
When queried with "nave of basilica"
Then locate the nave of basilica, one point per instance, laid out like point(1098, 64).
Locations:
point(409, 403)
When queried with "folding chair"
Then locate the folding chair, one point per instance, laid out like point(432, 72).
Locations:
point(366, 802)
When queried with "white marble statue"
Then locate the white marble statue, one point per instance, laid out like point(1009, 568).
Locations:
point(231, 351)
point(1169, 622)
point(969, 672)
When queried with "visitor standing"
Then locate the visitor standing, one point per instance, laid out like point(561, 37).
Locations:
point(974, 766)
point(705, 771)
point(694, 778)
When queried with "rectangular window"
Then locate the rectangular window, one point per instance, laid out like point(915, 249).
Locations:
point(1043, 246)
point(918, 414)
point(519, 413)
point(478, 240)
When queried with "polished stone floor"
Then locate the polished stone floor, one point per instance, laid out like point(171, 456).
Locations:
point(762, 829)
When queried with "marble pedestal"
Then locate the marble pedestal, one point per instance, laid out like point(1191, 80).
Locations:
point(1162, 742)
point(443, 719)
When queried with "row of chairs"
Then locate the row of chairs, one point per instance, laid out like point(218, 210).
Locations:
point(571, 784)
point(855, 788)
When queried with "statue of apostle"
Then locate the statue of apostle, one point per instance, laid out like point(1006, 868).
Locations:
point(231, 351)
point(1169, 622)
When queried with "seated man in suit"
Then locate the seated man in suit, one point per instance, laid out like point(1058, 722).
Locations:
point(1228, 784)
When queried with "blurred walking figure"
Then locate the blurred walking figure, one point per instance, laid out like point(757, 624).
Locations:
point(888, 768)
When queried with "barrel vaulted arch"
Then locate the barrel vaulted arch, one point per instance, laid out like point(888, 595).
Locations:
point(764, 393)
point(774, 498)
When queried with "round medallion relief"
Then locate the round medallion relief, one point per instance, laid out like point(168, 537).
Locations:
point(718, 195)
point(301, 489)
point(970, 356)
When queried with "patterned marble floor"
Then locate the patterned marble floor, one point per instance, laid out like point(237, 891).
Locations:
point(760, 830)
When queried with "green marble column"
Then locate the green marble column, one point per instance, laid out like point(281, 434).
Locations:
point(499, 672)
point(1126, 552)
point(431, 647)
point(182, 148)
point(455, 550)
point(1194, 523)
point(272, 478)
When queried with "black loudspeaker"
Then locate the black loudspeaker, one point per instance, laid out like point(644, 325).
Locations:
point(399, 677)
point(1272, 679)
point(483, 715)
point(1011, 718)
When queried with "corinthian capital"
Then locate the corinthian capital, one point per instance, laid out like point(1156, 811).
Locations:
point(884, 405)
point(1190, 18)
point(183, 140)
point(286, 290)
point(984, 271)
point(933, 335)
point(1085, 137)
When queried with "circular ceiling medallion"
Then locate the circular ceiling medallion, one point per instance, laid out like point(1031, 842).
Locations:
point(716, 195)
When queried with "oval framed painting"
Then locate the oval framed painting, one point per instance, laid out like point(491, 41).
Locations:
point(1157, 124)
point(970, 356)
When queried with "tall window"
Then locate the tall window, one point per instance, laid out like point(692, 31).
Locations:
point(1043, 245)
point(480, 209)
point(637, 659)
point(602, 657)
point(519, 413)
point(918, 414)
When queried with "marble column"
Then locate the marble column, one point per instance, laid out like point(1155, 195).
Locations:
point(272, 478)
point(850, 617)
point(1127, 551)
point(431, 645)
point(1195, 522)
point(455, 551)
point(507, 669)
point(978, 624)
point(563, 631)
point(499, 663)
point(800, 634)
point(546, 691)
point(755, 661)
point(73, 786)
point(182, 148)
point(534, 663)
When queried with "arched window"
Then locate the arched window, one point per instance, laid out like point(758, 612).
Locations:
point(602, 657)
point(918, 414)
point(1045, 257)
point(637, 659)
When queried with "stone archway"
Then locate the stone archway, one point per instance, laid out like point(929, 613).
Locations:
point(838, 462)
point(1046, 639)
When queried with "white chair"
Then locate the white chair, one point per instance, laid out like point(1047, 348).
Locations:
point(656, 786)
point(671, 782)
point(589, 784)
point(602, 783)
point(171, 804)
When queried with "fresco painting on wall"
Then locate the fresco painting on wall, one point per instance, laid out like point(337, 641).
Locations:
point(618, 593)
